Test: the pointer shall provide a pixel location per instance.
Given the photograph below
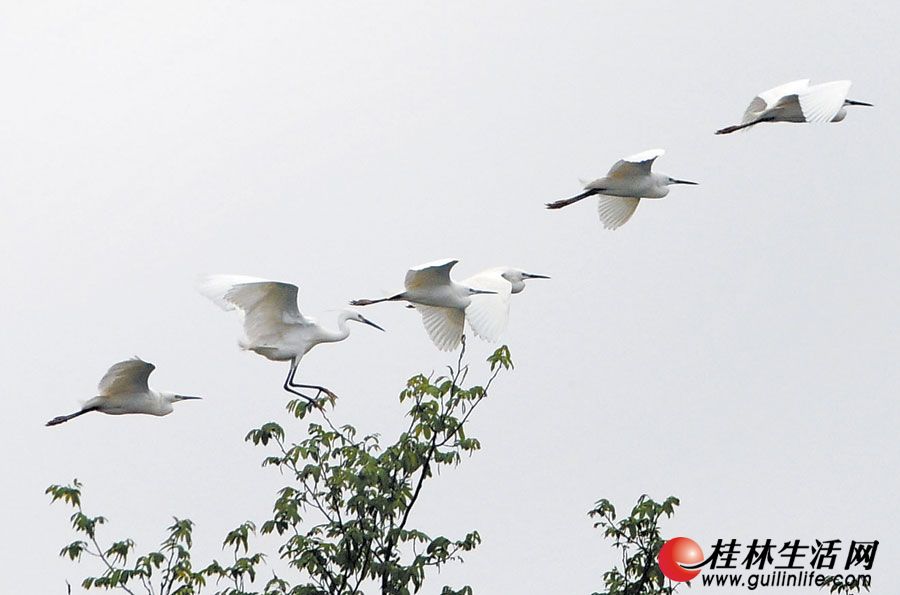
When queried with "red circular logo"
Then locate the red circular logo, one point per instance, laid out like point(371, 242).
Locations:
point(677, 552)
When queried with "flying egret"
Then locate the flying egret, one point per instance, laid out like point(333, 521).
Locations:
point(273, 325)
point(620, 191)
point(440, 300)
point(123, 389)
point(797, 101)
point(489, 314)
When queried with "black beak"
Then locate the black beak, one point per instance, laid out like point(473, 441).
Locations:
point(484, 291)
point(370, 323)
point(531, 276)
point(851, 102)
point(685, 182)
point(186, 398)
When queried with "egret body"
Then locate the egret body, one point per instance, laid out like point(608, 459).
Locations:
point(273, 325)
point(623, 187)
point(798, 102)
point(123, 390)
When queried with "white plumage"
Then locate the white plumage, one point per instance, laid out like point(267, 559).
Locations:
point(124, 390)
point(798, 102)
point(440, 300)
point(628, 181)
point(273, 325)
point(488, 315)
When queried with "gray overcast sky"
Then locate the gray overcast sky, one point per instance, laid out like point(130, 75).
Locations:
point(735, 344)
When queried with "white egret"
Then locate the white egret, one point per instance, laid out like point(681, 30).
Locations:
point(273, 325)
point(123, 389)
point(797, 101)
point(440, 300)
point(623, 187)
point(489, 314)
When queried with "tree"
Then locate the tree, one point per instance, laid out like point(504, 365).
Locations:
point(344, 516)
point(638, 539)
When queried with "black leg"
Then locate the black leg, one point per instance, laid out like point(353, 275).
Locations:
point(319, 389)
point(288, 386)
point(63, 418)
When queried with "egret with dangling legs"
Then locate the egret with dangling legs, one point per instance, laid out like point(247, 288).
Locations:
point(273, 325)
point(440, 300)
point(623, 187)
point(124, 390)
point(798, 102)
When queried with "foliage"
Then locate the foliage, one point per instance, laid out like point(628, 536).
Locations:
point(638, 539)
point(169, 568)
point(836, 584)
point(344, 517)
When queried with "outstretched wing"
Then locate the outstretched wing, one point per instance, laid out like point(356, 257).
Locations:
point(429, 274)
point(488, 314)
point(615, 211)
point(770, 97)
point(127, 377)
point(267, 305)
point(821, 103)
point(443, 325)
point(635, 165)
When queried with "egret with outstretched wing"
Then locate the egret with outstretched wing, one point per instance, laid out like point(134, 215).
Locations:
point(623, 187)
point(273, 324)
point(798, 101)
point(440, 300)
point(488, 315)
point(123, 390)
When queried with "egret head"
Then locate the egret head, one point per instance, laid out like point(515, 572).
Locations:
point(670, 181)
point(517, 278)
point(360, 318)
point(166, 400)
point(173, 398)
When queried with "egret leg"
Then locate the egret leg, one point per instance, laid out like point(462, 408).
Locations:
point(63, 418)
point(288, 386)
point(564, 203)
point(365, 302)
point(730, 129)
point(319, 389)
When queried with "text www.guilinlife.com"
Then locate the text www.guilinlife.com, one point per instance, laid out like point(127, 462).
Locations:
point(785, 579)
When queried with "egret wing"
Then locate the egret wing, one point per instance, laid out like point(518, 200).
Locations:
point(821, 103)
point(443, 325)
point(429, 274)
point(615, 211)
point(267, 305)
point(127, 377)
point(635, 165)
point(770, 97)
point(216, 287)
point(488, 314)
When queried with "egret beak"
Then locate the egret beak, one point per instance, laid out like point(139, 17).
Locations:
point(484, 291)
point(685, 182)
point(531, 276)
point(851, 102)
point(185, 398)
point(370, 323)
